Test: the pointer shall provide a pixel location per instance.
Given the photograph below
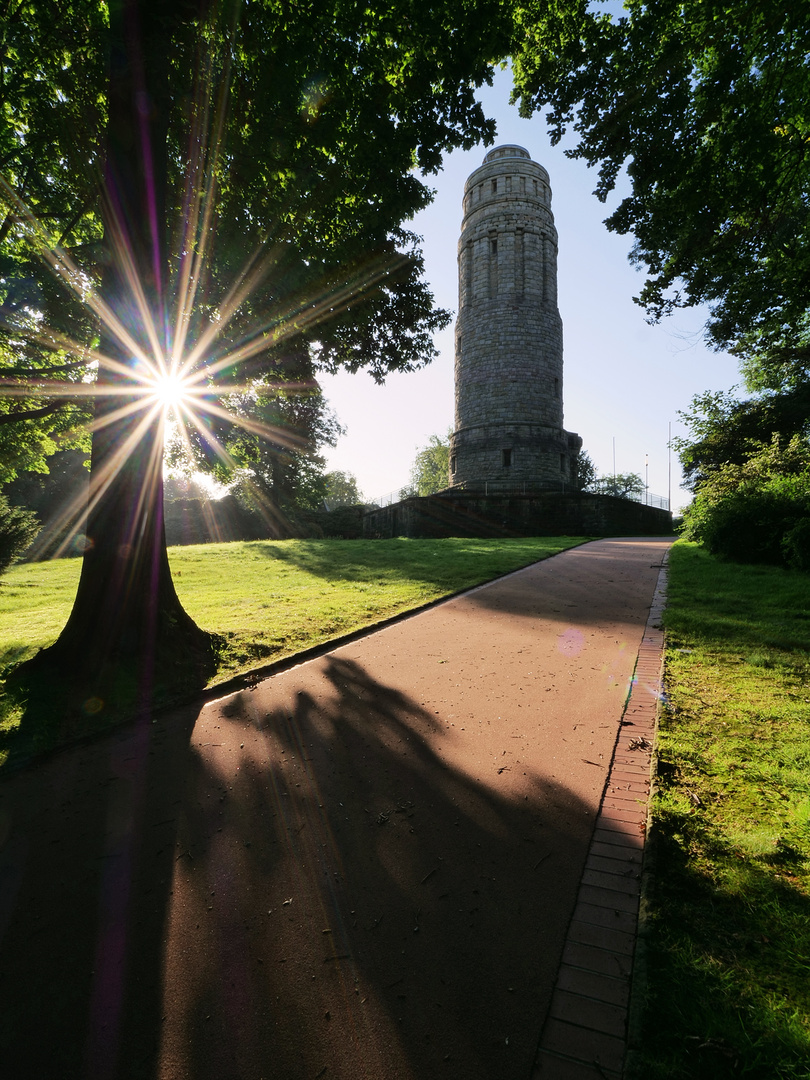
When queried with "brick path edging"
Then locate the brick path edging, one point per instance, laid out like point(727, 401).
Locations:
point(585, 1034)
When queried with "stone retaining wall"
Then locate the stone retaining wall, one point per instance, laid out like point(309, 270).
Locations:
point(541, 514)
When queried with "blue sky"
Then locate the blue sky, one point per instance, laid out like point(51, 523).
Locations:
point(624, 381)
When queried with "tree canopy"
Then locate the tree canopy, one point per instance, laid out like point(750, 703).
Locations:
point(622, 485)
point(703, 106)
point(193, 194)
point(341, 489)
point(289, 136)
point(431, 467)
point(584, 474)
point(748, 464)
point(726, 430)
point(51, 91)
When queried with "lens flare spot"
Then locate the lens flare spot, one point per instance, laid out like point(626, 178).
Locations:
point(571, 642)
point(93, 706)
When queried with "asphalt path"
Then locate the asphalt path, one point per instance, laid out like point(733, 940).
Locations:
point(363, 867)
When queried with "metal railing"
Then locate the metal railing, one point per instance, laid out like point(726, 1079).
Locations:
point(525, 487)
point(389, 498)
point(511, 487)
point(648, 499)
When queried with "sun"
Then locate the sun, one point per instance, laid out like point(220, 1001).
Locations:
point(170, 390)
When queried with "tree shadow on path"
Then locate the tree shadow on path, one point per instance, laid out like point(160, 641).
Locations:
point(356, 905)
point(87, 852)
point(305, 880)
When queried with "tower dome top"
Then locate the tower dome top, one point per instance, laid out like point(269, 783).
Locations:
point(506, 151)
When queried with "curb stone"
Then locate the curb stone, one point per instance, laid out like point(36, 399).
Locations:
point(594, 1020)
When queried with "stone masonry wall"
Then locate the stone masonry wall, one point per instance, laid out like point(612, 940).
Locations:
point(543, 514)
point(509, 351)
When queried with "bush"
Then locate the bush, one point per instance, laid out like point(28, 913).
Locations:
point(796, 545)
point(755, 512)
point(18, 528)
point(750, 526)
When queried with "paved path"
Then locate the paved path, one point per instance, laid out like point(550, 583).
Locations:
point(365, 867)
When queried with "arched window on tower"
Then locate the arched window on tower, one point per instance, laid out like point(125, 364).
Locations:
point(506, 458)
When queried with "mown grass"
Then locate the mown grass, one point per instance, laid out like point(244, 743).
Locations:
point(729, 931)
point(269, 599)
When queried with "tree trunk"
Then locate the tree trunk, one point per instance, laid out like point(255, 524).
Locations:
point(128, 632)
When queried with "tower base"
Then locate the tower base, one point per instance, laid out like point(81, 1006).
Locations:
point(512, 454)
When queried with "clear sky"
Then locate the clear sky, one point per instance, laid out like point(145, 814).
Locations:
point(624, 381)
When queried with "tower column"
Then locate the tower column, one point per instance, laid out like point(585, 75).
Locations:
point(509, 351)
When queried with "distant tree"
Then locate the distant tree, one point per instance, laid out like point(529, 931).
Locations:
point(58, 496)
point(18, 528)
point(266, 447)
point(295, 483)
point(623, 485)
point(431, 467)
point(341, 489)
point(185, 487)
point(584, 474)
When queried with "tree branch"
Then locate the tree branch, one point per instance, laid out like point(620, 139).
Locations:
point(77, 217)
point(32, 414)
point(41, 373)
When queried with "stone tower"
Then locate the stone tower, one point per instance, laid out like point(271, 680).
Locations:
point(509, 354)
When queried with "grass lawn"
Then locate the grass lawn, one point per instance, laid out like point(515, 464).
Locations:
point(274, 598)
point(729, 932)
point(270, 599)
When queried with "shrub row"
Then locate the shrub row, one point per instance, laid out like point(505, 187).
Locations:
point(762, 519)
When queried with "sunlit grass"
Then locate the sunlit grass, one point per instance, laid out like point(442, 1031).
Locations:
point(270, 599)
point(267, 600)
point(274, 598)
point(729, 949)
point(35, 601)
